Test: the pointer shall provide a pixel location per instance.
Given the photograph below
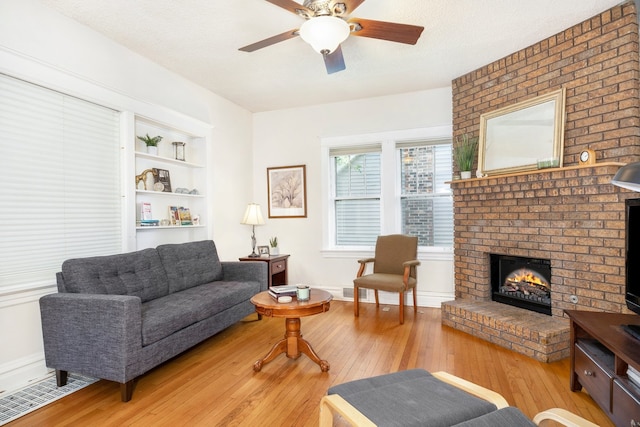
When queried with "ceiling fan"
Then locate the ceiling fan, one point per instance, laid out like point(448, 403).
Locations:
point(327, 26)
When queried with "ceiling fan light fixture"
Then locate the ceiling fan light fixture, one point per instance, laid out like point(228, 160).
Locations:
point(324, 33)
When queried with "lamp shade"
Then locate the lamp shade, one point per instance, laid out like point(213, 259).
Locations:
point(324, 33)
point(628, 177)
point(253, 215)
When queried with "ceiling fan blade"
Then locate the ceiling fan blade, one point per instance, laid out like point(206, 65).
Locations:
point(292, 7)
point(401, 33)
point(351, 5)
point(334, 61)
point(269, 41)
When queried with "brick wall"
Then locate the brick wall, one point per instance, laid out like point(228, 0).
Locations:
point(572, 216)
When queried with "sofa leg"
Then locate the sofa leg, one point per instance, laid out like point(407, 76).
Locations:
point(126, 390)
point(61, 378)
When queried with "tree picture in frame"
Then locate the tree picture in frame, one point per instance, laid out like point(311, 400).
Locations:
point(287, 192)
point(515, 138)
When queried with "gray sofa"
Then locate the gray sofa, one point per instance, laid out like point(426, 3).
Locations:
point(116, 317)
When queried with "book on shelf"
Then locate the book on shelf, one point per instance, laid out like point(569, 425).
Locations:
point(185, 216)
point(145, 211)
point(174, 216)
point(149, 223)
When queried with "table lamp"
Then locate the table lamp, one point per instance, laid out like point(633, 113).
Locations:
point(253, 217)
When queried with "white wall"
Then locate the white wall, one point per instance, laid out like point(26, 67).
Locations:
point(292, 137)
point(39, 45)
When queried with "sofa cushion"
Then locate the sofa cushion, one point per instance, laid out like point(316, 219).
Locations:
point(137, 273)
point(190, 264)
point(411, 398)
point(164, 316)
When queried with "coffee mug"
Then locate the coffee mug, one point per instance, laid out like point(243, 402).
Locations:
point(302, 293)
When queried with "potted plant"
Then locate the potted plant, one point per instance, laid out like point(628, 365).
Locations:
point(151, 143)
point(273, 242)
point(464, 154)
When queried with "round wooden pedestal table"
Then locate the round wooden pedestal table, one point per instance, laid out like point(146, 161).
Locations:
point(293, 344)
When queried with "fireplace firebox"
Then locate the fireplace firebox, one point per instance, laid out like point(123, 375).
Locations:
point(521, 282)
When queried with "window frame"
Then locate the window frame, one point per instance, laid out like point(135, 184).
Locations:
point(390, 217)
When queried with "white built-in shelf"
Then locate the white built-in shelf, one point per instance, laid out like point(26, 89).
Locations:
point(167, 160)
point(166, 193)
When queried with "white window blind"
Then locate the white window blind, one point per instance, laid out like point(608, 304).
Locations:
point(356, 195)
point(60, 175)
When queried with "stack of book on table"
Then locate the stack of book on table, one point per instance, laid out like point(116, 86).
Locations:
point(282, 290)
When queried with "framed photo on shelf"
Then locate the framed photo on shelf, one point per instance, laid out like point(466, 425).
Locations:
point(263, 250)
point(162, 176)
point(174, 215)
point(287, 191)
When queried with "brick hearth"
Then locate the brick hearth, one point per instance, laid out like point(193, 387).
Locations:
point(571, 215)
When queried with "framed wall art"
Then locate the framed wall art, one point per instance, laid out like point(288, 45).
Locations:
point(287, 191)
point(517, 137)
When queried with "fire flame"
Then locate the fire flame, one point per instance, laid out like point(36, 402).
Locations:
point(527, 276)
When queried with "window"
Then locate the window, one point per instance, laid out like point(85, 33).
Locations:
point(393, 185)
point(61, 189)
point(425, 200)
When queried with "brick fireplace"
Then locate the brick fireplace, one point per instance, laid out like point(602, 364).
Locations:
point(571, 216)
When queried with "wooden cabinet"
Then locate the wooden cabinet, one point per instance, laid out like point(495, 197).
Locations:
point(601, 352)
point(276, 270)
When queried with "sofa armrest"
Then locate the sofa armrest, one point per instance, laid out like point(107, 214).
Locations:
point(246, 271)
point(95, 335)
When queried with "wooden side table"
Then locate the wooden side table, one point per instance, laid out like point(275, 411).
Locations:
point(276, 268)
point(293, 345)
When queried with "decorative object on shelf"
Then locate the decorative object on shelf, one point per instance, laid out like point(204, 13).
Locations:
point(628, 177)
point(158, 186)
point(196, 219)
point(178, 150)
point(253, 217)
point(273, 242)
point(162, 175)
point(182, 190)
point(464, 154)
point(287, 192)
point(548, 163)
point(303, 293)
point(263, 250)
point(513, 138)
point(142, 178)
point(587, 157)
point(151, 142)
point(194, 192)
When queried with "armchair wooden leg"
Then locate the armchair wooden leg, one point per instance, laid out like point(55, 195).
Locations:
point(401, 305)
point(375, 291)
point(356, 301)
point(415, 301)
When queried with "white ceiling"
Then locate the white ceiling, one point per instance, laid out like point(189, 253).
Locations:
point(199, 39)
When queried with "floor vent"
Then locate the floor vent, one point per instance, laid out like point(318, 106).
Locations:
point(348, 293)
point(35, 396)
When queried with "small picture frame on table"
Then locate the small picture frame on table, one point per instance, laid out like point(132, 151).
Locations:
point(263, 251)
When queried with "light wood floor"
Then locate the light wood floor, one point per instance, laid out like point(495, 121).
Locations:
point(213, 384)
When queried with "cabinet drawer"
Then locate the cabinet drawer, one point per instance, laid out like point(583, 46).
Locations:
point(625, 407)
point(596, 380)
point(277, 267)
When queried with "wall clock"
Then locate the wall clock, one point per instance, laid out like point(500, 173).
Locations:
point(587, 157)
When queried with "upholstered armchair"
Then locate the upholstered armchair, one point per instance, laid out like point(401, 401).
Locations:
point(394, 270)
